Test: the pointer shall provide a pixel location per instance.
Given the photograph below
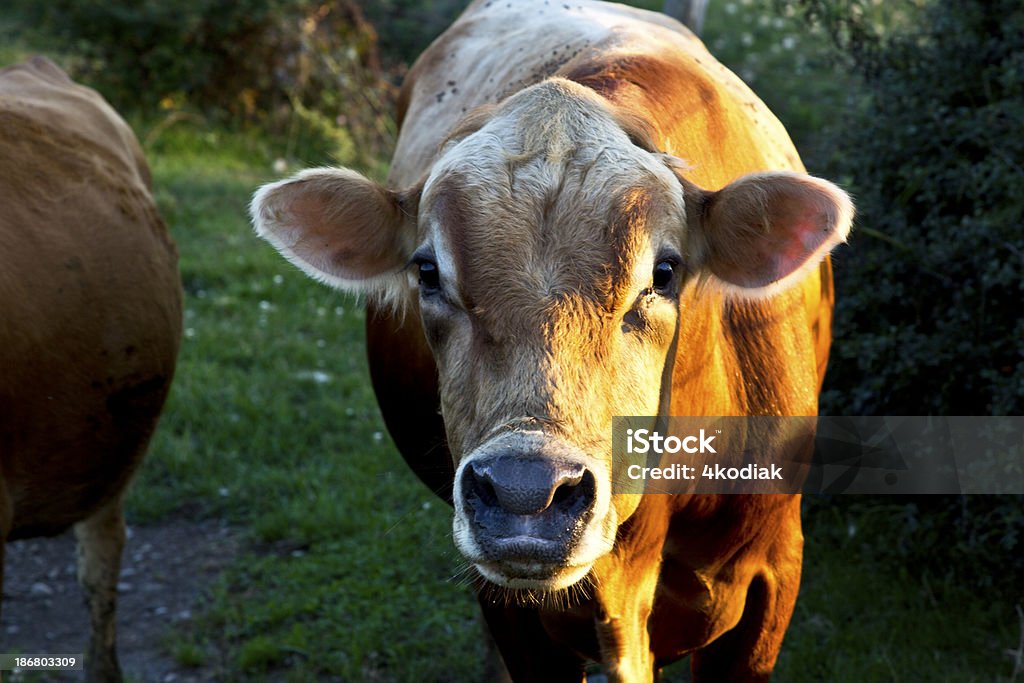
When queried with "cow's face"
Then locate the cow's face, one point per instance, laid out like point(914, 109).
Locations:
point(547, 250)
point(548, 269)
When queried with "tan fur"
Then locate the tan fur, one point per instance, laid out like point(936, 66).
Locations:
point(91, 321)
point(566, 149)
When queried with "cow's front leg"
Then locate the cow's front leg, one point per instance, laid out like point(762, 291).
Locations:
point(748, 651)
point(625, 584)
point(624, 607)
point(529, 652)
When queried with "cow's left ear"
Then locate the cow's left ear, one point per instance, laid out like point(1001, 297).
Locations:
point(341, 228)
point(763, 232)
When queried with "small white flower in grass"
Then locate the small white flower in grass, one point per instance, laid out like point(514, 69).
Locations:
point(223, 492)
point(190, 332)
point(426, 505)
point(789, 42)
point(730, 8)
point(266, 306)
point(278, 279)
point(778, 22)
point(320, 343)
point(321, 311)
point(747, 39)
point(317, 376)
point(339, 311)
point(280, 165)
point(378, 436)
point(350, 411)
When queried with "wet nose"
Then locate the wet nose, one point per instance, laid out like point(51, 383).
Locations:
point(521, 485)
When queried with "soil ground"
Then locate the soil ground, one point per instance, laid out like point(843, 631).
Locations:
point(165, 572)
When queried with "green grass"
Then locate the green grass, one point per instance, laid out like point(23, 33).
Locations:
point(347, 570)
point(864, 618)
point(272, 423)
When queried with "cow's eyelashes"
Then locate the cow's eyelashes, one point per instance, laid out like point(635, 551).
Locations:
point(664, 277)
point(430, 276)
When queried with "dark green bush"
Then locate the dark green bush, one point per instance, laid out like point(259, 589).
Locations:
point(930, 300)
point(930, 292)
point(970, 540)
point(407, 27)
point(142, 51)
point(307, 70)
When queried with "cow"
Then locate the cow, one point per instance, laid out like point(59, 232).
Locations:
point(586, 216)
point(90, 324)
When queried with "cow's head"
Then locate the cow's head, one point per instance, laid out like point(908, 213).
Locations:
point(547, 249)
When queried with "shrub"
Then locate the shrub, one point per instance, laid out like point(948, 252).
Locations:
point(929, 304)
point(929, 293)
point(305, 68)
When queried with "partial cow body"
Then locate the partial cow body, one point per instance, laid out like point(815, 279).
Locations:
point(90, 322)
point(605, 222)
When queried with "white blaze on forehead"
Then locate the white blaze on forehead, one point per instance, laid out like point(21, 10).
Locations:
point(559, 119)
point(533, 136)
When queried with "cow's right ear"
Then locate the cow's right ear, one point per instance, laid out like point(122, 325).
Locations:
point(340, 228)
point(763, 232)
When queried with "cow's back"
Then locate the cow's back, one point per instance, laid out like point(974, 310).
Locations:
point(496, 49)
point(90, 300)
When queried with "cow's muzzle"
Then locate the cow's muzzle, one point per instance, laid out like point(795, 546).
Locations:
point(525, 503)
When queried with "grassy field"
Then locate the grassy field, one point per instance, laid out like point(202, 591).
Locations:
point(349, 569)
point(349, 573)
point(272, 424)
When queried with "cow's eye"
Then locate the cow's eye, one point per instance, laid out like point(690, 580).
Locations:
point(430, 277)
point(664, 276)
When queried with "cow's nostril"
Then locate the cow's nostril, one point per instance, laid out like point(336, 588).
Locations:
point(564, 494)
point(484, 490)
point(576, 492)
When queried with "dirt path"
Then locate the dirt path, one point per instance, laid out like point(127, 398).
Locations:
point(165, 572)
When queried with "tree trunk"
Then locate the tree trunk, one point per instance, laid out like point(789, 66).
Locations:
point(690, 12)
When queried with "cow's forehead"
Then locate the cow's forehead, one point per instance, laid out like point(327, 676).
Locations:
point(548, 127)
point(550, 197)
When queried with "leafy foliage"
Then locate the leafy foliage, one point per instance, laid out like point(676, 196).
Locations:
point(407, 27)
point(306, 68)
point(929, 316)
point(929, 293)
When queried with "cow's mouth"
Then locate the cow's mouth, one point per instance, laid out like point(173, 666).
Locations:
point(531, 512)
point(531, 576)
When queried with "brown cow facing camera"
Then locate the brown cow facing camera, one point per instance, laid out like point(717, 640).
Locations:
point(90, 322)
point(586, 216)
